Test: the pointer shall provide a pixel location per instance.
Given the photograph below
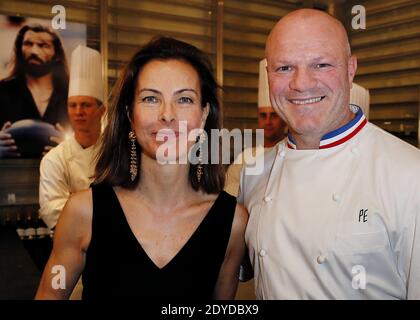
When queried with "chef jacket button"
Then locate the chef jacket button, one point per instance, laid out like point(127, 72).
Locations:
point(282, 153)
point(263, 253)
point(355, 150)
point(321, 259)
point(336, 197)
point(267, 199)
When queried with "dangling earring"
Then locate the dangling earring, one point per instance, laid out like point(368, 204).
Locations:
point(200, 171)
point(133, 156)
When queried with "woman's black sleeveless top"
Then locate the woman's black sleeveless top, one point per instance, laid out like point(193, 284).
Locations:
point(117, 267)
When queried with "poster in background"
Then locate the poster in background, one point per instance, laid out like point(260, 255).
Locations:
point(32, 135)
point(74, 34)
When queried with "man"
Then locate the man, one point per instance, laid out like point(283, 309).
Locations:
point(336, 212)
point(268, 120)
point(69, 167)
point(37, 86)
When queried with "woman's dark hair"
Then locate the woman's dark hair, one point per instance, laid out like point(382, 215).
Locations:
point(114, 156)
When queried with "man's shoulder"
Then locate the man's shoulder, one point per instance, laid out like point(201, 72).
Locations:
point(393, 146)
point(249, 155)
point(256, 174)
point(56, 154)
point(252, 156)
point(390, 151)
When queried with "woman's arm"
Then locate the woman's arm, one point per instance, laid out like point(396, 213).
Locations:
point(71, 240)
point(227, 282)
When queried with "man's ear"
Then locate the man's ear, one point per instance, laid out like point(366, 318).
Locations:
point(351, 68)
point(102, 109)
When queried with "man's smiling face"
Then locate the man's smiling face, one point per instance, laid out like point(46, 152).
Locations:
point(310, 72)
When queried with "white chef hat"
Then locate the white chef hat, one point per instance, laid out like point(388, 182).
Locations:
point(86, 73)
point(360, 97)
point(263, 92)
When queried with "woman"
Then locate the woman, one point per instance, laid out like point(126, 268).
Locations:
point(145, 229)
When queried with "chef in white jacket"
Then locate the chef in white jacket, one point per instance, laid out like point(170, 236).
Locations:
point(69, 167)
point(360, 96)
point(269, 121)
point(336, 212)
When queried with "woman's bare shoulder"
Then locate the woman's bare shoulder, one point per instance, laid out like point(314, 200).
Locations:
point(241, 216)
point(80, 203)
point(75, 221)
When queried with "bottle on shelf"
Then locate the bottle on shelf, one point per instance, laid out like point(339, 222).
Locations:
point(8, 221)
point(42, 230)
point(21, 226)
point(30, 227)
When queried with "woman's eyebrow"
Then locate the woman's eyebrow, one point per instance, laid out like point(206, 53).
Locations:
point(183, 90)
point(148, 89)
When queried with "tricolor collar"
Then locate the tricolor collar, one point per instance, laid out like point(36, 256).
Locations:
point(338, 136)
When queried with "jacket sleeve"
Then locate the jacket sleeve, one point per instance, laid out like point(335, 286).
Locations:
point(407, 241)
point(413, 249)
point(53, 188)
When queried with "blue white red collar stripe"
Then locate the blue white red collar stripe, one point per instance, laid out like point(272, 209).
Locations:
point(338, 136)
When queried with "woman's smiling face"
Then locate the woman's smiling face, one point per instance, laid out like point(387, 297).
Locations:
point(167, 92)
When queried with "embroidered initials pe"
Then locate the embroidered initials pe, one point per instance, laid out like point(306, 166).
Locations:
point(363, 215)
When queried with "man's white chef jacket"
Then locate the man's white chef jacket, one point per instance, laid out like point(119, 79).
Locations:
point(233, 173)
point(65, 169)
point(341, 222)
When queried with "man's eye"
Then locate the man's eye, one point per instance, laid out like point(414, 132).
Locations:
point(150, 99)
point(284, 69)
point(322, 65)
point(185, 100)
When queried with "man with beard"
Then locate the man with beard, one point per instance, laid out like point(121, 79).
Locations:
point(37, 86)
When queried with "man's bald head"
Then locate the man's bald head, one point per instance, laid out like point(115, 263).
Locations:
point(314, 21)
point(310, 71)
